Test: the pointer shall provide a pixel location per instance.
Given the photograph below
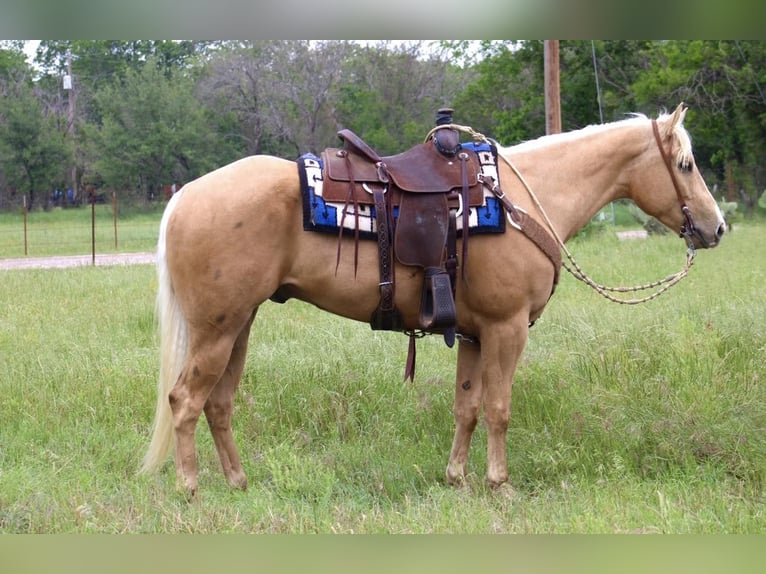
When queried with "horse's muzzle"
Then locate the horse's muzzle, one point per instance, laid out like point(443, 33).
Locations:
point(702, 240)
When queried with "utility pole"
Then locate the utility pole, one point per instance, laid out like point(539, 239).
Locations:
point(69, 86)
point(552, 88)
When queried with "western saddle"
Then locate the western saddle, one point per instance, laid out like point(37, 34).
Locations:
point(417, 196)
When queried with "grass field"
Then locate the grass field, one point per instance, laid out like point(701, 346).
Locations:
point(76, 231)
point(624, 419)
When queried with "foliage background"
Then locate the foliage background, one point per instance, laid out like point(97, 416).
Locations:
point(145, 114)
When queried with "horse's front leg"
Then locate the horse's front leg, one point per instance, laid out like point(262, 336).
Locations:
point(500, 351)
point(466, 408)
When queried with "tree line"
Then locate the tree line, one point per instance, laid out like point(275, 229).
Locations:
point(140, 116)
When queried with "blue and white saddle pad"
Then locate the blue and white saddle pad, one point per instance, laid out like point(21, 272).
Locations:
point(324, 216)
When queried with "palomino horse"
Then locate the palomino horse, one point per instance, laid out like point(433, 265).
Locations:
point(233, 239)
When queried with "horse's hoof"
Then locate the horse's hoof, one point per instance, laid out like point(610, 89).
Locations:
point(457, 482)
point(456, 479)
point(187, 490)
point(238, 482)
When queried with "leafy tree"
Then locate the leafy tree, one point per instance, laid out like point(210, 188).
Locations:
point(99, 61)
point(153, 132)
point(600, 91)
point(506, 100)
point(150, 111)
point(12, 58)
point(33, 150)
point(619, 63)
point(389, 93)
point(95, 63)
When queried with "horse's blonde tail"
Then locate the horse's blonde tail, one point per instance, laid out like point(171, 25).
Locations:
point(171, 326)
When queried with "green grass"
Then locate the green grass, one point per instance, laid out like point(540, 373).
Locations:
point(624, 419)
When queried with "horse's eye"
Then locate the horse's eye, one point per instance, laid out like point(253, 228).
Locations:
point(685, 166)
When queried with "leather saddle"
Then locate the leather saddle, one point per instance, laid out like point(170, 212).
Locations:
point(417, 196)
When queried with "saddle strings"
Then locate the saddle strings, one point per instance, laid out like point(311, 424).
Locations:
point(576, 271)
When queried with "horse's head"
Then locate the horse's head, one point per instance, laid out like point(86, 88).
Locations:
point(673, 189)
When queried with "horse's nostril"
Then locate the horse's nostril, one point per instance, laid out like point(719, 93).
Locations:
point(721, 230)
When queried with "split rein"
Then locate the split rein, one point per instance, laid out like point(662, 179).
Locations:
point(661, 285)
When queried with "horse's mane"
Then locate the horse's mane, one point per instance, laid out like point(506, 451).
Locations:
point(684, 157)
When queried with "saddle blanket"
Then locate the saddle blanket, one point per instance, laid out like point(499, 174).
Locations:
point(324, 216)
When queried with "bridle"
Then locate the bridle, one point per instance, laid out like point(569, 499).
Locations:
point(688, 229)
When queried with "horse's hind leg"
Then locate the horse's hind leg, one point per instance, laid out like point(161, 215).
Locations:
point(208, 357)
point(219, 407)
point(468, 393)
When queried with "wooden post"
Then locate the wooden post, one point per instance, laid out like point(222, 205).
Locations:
point(26, 250)
point(114, 211)
point(552, 88)
point(731, 184)
point(93, 225)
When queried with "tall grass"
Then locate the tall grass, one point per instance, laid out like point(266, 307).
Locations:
point(624, 419)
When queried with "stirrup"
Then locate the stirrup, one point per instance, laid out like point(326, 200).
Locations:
point(437, 305)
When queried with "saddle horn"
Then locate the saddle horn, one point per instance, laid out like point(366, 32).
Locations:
point(446, 140)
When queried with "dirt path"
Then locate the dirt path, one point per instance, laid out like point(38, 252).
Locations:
point(61, 261)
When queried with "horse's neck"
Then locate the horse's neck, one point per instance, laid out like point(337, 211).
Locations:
point(574, 176)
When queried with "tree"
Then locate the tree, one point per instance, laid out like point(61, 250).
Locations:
point(290, 97)
point(153, 132)
point(303, 84)
point(33, 150)
point(506, 100)
point(12, 57)
point(389, 93)
point(506, 97)
point(150, 111)
point(619, 64)
point(233, 83)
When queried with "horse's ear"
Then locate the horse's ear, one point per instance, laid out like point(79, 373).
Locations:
point(679, 115)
